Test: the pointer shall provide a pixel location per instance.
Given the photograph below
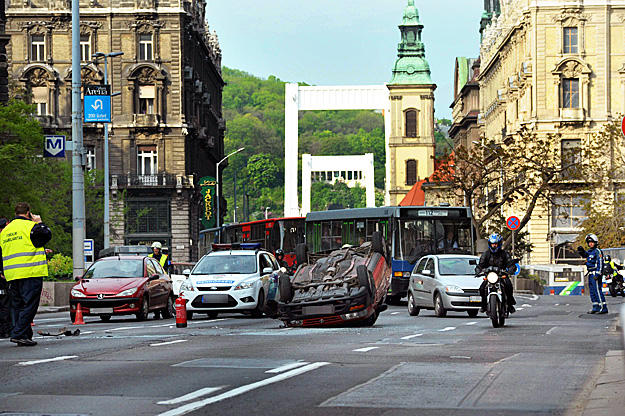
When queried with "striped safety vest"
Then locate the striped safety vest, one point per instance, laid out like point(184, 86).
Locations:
point(162, 260)
point(20, 258)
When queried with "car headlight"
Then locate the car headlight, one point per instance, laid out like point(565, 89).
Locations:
point(78, 294)
point(492, 277)
point(453, 289)
point(186, 285)
point(244, 285)
point(127, 292)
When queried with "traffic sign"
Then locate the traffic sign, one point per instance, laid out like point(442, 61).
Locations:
point(97, 104)
point(513, 223)
point(89, 252)
point(54, 146)
point(623, 126)
point(518, 269)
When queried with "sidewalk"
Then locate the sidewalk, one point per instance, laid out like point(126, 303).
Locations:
point(607, 397)
point(52, 309)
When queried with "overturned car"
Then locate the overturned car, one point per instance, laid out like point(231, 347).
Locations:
point(346, 286)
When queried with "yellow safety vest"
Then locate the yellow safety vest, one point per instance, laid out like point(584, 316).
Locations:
point(20, 258)
point(162, 260)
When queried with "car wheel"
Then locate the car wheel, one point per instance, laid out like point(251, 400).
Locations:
point(377, 242)
point(301, 254)
point(257, 313)
point(170, 310)
point(285, 288)
point(189, 316)
point(412, 309)
point(212, 315)
point(105, 318)
point(363, 278)
point(473, 313)
point(439, 308)
point(143, 313)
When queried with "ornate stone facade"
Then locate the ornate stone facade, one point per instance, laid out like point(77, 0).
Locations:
point(167, 127)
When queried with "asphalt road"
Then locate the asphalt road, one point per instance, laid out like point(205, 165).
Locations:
point(542, 362)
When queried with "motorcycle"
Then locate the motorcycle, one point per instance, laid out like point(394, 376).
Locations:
point(497, 306)
point(615, 283)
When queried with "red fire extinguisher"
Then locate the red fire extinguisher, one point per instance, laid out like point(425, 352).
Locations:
point(181, 312)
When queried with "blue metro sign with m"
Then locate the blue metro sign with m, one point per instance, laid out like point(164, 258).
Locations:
point(97, 104)
point(54, 146)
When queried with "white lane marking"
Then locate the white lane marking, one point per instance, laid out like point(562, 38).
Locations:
point(449, 328)
point(191, 396)
point(551, 330)
point(123, 328)
point(534, 297)
point(395, 313)
point(86, 332)
point(285, 329)
point(519, 309)
point(168, 343)
point(412, 336)
point(366, 349)
point(243, 389)
point(286, 367)
point(557, 304)
point(159, 326)
point(463, 357)
point(48, 360)
point(471, 323)
point(525, 305)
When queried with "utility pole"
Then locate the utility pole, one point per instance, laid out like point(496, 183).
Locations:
point(78, 178)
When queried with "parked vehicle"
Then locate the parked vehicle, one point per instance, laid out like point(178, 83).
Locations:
point(496, 295)
point(615, 284)
point(123, 285)
point(348, 286)
point(177, 275)
point(445, 282)
point(228, 279)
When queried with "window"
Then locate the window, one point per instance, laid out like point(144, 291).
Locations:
point(147, 216)
point(411, 123)
point(146, 99)
point(40, 99)
point(145, 47)
point(570, 40)
point(570, 93)
point(567, 211)
point(411, 172)
point(571, 157)
point(37, 48)
point(90, 158)
point(85, 48)
point(147, 164)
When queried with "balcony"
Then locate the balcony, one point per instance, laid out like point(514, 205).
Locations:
point(572, 114)
point(133, 180)
point(146, 120)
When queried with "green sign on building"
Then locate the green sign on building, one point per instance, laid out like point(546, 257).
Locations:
point(208, 187)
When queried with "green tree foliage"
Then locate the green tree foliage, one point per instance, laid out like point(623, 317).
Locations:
point(254, 111)
point(60, 267)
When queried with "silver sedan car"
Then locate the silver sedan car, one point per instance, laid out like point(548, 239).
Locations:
point(445, 283)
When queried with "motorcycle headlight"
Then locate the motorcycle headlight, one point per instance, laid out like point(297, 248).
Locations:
point(127, 292)
point(186, 285)
point(453, 289)
point(492, 277)
point(78, 294)
point(244, 285)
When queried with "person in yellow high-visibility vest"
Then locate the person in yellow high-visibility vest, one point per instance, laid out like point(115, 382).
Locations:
point(163, 259)
point(25, 265)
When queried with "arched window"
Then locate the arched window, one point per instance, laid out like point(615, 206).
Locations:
point(411, 123)
point(411, 172)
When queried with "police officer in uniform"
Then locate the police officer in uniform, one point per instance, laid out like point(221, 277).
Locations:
point(163, 259)
point(25, 265)
point(594, 265)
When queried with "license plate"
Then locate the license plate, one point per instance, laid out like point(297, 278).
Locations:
point(318, 310)
point(475, 299)
point(215, 299)
point(101, 311)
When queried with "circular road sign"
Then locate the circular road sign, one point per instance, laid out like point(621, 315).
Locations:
point(623, 126)
point(513, 223)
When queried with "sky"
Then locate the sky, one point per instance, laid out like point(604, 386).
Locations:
point(342, 42)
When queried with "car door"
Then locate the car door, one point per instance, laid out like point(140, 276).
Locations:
point(155, 287)
point(416, 282)
point(429, 282)
point(165, 280)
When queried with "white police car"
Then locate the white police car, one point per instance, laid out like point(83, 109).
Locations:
point(228, 279)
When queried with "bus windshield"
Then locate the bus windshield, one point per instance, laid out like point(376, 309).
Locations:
point(416, 238)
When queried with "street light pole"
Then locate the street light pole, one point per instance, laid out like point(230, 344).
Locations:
point(218, 182)
point(107, 237)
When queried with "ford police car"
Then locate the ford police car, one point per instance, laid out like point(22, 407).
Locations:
point(228, 279)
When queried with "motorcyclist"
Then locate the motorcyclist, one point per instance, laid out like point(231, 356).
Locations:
point(610, 268)
point(280, 258)
point(496, 256)
point(594, 265)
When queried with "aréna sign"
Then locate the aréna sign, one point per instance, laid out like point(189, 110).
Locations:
point(97, 103)
point(54, 146)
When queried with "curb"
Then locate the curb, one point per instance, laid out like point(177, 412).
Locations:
point(606, 398)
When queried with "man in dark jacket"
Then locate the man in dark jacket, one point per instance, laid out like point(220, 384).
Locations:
point(6, 323)
point(496, 256)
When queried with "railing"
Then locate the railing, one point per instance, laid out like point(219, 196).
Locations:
point(161, 179)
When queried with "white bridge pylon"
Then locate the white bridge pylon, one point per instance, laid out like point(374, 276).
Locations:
point(296, 98)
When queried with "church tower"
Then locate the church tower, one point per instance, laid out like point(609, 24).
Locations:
point(410, 149)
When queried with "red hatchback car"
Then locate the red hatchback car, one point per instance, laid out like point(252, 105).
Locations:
point(123, 285)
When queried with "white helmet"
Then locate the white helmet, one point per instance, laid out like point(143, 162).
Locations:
point(156, 244)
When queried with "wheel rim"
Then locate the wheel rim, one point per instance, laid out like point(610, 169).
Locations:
point(170, 307)
point(410, 303)
point(438, 304)
point(144, 307)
